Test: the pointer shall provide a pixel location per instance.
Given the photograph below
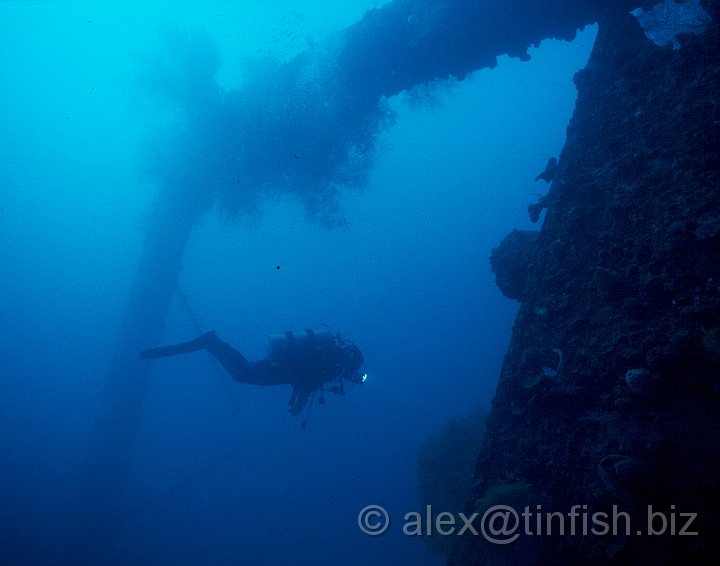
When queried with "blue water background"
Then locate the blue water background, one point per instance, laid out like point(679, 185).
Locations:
point(223, 473)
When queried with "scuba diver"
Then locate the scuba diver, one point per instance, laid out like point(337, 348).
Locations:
point(306, 360)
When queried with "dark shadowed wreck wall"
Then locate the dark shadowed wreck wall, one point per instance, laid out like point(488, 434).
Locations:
point(610, 391)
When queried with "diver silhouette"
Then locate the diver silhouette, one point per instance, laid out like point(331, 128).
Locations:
point(305, 360)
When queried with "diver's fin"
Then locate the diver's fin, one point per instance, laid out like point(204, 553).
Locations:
point(183, 348)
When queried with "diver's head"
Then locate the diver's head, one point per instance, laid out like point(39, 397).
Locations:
point(352, 359)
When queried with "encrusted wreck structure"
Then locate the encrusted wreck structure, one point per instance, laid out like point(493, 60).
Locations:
point(609, 397)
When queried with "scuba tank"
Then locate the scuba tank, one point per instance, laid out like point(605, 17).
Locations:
point(289, 343)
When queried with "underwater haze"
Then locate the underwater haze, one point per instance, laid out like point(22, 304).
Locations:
point(109, 107)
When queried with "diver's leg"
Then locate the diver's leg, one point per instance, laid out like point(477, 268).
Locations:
point(262, 372)
point(253, 373)
point(242, 371)
point(198, 343)
point(233, 361)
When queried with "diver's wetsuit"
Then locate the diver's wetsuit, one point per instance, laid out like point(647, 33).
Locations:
point(306, 369)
